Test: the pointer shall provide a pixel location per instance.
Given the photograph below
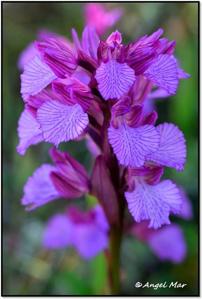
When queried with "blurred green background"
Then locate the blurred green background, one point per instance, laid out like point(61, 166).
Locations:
point(27, 268)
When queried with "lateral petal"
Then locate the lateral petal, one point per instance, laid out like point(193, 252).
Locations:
point(172, 148)
point(164, 73)
point(61, 123)
point(36, 76)
point(29, 132)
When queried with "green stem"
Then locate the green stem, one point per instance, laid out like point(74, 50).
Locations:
point(115, 230)
point(114, 263)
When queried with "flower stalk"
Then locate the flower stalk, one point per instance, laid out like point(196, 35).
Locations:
point(114, 262)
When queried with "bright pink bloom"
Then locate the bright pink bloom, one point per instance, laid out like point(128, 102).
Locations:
point(97, 16)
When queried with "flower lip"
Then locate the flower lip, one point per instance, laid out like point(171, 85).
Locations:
point(114, 79)
point(154, 202)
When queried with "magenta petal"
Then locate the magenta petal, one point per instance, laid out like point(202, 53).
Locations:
point(76, 40)
point(29, 132)
point(36, 76)
point(39, 188)
point(61, 123)
point(90, 41)
point(168, 243)
point(121, 108)
point(141, 53)
point(164, 73)
point(132, 145)
point(150, 119)
point(97, 16)
point(133, 118)
point(114, 38)
point(82, 75)
point(154, 202)
point(172, 148)
point(65, 187)
point(114, 79)
point(58, 232)
point(57, 53)
point(71, 170)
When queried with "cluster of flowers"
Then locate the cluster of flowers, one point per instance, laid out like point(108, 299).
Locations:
point(102, 90)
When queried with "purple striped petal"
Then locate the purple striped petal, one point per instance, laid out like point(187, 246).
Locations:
point(164, 73)
point(61, 123)
point(58, 232)
point(36, 76)
point(39, 188)
point(26, 55)
point(154, 202)
point(132, 145)
point(168, 243)
point(172, 148)
point(29, 132)
point(114, 79)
